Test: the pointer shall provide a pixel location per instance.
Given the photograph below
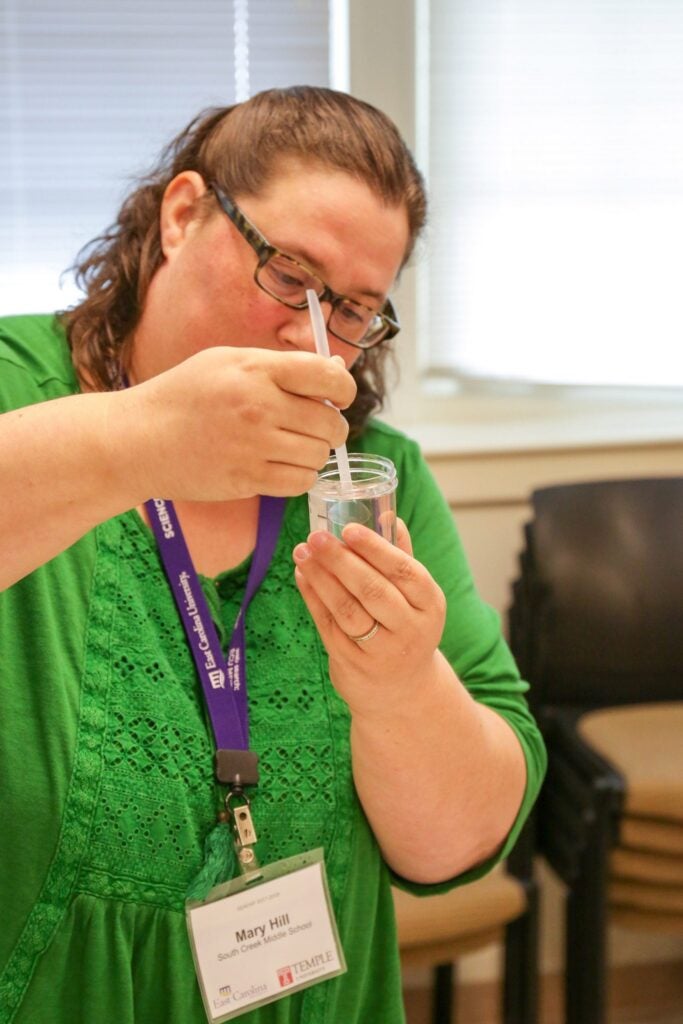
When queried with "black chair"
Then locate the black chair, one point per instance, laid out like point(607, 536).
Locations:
point(596, 625)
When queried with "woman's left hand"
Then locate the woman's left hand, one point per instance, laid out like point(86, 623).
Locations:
point(350, 586)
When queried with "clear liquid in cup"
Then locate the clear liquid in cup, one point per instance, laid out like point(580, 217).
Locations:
point(371, 499)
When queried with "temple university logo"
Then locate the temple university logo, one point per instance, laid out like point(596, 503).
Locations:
point(285, 976)
point(217, 679)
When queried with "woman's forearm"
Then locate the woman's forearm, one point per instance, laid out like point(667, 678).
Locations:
point(441, 778)
point(61, 473)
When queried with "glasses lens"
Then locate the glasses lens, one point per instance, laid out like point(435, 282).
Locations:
point(287, 280)
point(355, 323)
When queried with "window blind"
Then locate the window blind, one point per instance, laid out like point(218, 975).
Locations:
point(554, 156)
point(91, 91)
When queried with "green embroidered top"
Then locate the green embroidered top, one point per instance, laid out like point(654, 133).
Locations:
point(106, 754)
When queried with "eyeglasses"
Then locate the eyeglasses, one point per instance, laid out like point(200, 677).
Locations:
point(287, 280)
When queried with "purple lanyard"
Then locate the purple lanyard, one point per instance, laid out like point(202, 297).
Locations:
point(227, 705)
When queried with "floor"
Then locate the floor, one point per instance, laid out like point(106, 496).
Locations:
point(650, 994)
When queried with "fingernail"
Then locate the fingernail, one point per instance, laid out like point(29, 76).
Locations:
point(352, 532)
point(319, 539)
point(300, 553)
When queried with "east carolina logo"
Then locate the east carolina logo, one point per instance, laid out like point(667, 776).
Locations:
point(217, 679)
point(225, 991)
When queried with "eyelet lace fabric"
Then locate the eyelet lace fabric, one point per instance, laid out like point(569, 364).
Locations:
point(142, 797)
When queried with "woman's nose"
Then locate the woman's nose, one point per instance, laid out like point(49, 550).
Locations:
point(298, 329)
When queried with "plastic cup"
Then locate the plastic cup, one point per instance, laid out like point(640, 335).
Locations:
point(370, 499)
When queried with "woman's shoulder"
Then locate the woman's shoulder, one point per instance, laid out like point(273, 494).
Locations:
point(379, 438)
point(37, 344)
point(414, 476)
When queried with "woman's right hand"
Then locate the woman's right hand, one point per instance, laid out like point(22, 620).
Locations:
point(226, 423)
point(230, 423)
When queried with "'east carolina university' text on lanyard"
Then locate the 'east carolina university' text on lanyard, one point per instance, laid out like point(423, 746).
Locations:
point(224, 683)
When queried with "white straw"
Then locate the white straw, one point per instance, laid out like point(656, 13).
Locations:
point(323, 349)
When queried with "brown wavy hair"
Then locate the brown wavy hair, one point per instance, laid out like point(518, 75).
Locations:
point(239, 148)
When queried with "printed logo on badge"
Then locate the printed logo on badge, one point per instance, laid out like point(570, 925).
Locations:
point(224, 993)
point(285, 976)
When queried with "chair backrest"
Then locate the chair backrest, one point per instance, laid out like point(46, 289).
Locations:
point(597, 611)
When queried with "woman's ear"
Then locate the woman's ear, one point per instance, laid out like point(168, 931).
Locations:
point(179, 209)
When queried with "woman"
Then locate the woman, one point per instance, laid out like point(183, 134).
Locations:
point(384, 707)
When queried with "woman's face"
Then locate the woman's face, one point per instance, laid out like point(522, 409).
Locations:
point(205, 294)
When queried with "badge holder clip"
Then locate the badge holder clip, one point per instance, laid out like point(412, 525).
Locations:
point(238, 810)
point(237, 769)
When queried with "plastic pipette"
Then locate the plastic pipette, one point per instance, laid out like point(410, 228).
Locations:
point(323, 349)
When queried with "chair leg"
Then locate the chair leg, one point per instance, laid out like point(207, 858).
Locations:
point(586, 939)
point(443, 1003)
point(520, 989)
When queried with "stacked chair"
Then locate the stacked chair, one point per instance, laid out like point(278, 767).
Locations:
point(596, 625)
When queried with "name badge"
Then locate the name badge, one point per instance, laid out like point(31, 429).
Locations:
point(264, 936)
